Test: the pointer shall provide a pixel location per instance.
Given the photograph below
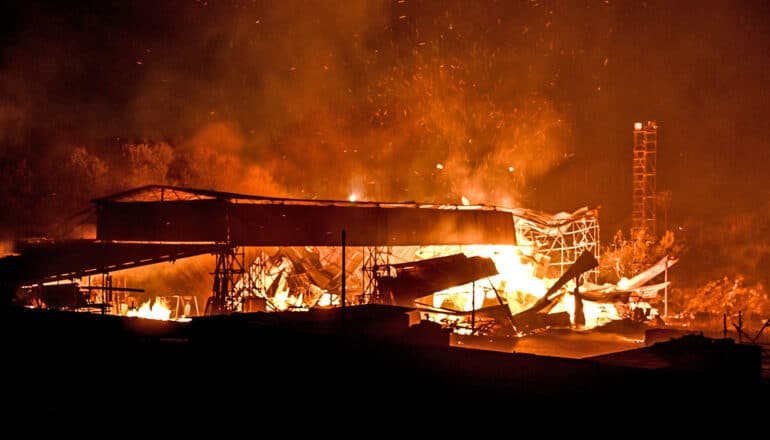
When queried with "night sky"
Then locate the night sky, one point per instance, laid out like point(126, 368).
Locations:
point(321, 99)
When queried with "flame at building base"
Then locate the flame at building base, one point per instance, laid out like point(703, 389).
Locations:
point(301, 278)
point(156, 310)
point(517, 284)
point(595, 314)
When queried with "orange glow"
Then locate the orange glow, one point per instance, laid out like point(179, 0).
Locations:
point(518, 284)
point(595, 314)
point(327, 299)
point(515, 283)
point(158, 311)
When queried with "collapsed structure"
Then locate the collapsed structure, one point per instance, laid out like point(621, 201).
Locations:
point(313, 252)
point(557, 240)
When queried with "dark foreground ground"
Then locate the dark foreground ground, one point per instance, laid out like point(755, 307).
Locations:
point(77, 367)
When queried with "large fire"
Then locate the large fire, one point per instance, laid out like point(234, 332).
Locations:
point(288, 280)
point(516, 283)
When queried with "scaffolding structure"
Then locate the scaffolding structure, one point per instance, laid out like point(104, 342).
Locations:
point(229, 269)
point(558, 240)
point(376, 263)
point(644, 179)
point(254, 286)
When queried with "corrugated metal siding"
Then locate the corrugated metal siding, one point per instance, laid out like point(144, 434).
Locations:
point(300, 225)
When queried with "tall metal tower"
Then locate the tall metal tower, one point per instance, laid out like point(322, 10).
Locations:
point(644, 174)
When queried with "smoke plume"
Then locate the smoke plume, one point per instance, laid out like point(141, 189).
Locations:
point(523, 104)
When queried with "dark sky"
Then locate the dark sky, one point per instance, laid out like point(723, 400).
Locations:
point(323, 98)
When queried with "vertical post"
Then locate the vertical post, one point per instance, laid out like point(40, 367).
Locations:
point(724, 325)
point(366, 282)
point(344, 275)
point(106, 281)
point(579, 314)
point(473, 307)
point(108, 294)
point(665, 292)
point(740, 325)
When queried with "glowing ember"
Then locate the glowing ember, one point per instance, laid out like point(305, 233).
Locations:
point(157, 310)
point(465, 200)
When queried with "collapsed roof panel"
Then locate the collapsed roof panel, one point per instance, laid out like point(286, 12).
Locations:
point(419, 278)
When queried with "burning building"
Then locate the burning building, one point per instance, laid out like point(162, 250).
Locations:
point(448, 260)
point(470, 277)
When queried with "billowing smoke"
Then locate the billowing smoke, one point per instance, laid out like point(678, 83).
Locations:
point(525, 103)
point(384, 100)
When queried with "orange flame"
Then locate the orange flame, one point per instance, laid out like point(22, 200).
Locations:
point(157, 310)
